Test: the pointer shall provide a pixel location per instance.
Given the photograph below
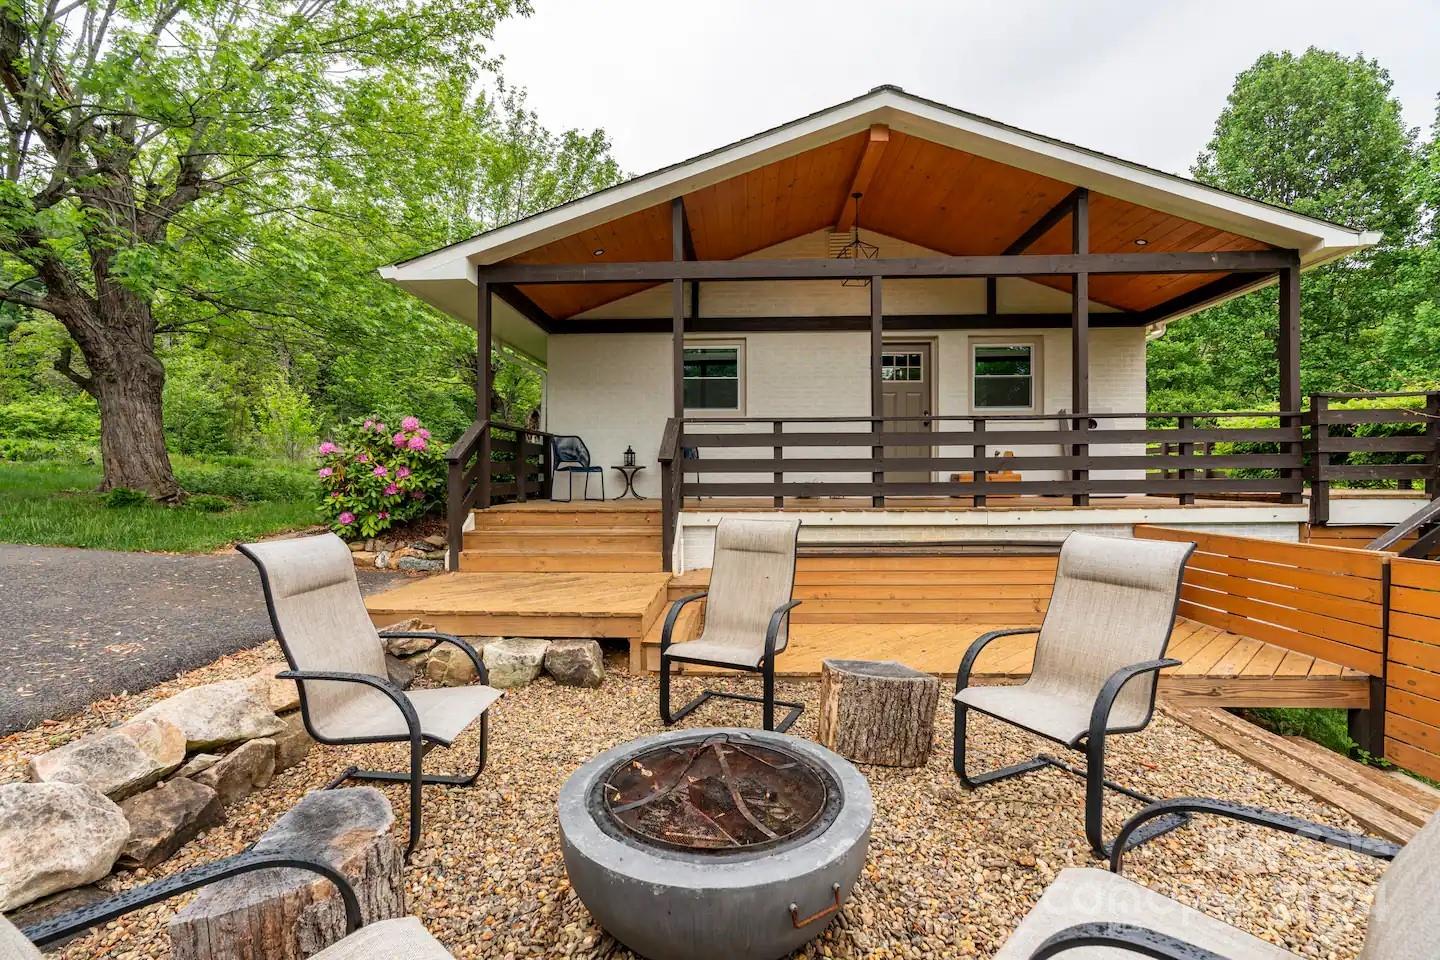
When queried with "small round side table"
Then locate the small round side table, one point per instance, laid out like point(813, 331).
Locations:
point(629, 472)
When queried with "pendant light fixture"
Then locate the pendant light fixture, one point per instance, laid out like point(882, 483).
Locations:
point(857, 249)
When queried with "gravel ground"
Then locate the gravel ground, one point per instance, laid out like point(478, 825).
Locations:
point(950, 873)
point(142, 618)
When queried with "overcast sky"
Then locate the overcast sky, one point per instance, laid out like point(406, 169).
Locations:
point(1141, 79)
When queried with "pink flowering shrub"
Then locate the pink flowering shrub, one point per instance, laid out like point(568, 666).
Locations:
point(371, 479)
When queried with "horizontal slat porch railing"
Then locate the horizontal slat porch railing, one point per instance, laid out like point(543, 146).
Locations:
point(1393, 442)
point(761, 457)
point(492, 462)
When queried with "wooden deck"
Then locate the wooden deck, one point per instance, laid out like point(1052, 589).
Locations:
point(862, 504)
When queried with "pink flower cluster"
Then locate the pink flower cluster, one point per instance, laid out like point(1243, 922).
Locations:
point(399, 467)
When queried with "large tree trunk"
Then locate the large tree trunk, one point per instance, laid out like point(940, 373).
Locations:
point(132, 427)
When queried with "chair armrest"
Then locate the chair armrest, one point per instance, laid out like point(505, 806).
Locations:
point(674, 615)
point(1100, 713)
point(773, 629)
point(1330, 836)
point(1122, 936)
point(396, 695)
point(967, 663)
point(440, 638)
point(77, 921)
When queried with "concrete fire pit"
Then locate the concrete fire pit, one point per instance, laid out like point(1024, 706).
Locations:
point(715, 843)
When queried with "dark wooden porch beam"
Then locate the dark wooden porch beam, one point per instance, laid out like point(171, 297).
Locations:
point(524, 306)
point(1197, 297)
point(893, 322)
point(1043, 265)
point(875, 143)
point(484, 331)
point(679, 234)
point(1046, 222)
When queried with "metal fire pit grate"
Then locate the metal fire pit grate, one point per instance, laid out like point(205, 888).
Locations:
point(717, 794)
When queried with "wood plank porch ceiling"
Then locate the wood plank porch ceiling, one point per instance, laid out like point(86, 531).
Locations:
point(926, 193)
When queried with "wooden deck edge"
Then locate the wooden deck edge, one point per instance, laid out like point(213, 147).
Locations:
point(1392, 812)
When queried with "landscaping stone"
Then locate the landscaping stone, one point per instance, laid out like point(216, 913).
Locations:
point(197, 763)
point(382, 560)
point(435, 540)
point(408, 646)
point(54, 836)
point(449, 666)
point(363, 558)
point(282, 695)
point(117, 762)
point(514, 662)
point(292, 744)
point(293, 914)
point(575, 663)
point(217, 713)
point(420, 564)
point(248, 767)
point(400, 672)
point(165, 818)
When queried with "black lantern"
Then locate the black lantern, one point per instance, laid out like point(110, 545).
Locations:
point(857, 249)
point(629, 456)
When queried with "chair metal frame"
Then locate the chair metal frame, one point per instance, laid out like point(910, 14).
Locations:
point(572, 467)
point(1091, 742)
point(420, 743)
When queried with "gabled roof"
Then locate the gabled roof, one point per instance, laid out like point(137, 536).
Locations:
point(947, 180)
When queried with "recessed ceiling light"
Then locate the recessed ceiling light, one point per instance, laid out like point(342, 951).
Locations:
point(1141, 241)
point(598, 251)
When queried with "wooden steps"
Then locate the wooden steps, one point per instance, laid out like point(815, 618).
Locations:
point(564, 538)
point(1389, 806)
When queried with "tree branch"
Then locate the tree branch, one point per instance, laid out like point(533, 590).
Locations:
point(63, 366)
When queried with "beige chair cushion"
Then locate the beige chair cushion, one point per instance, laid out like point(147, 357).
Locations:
point(1405, 920)
point(1084, 895)
point(752, 574)
point(324, 626)
point(1113, 605)
point(404, 938)
point(14, 945)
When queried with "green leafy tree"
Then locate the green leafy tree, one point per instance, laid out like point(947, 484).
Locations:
point(140, 130)
point(1322, 134)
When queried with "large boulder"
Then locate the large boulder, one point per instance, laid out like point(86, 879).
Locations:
point(408, 646)
point(241, 771)
point(575, 663)
point(218, 713)
point(449, 666)
point(292, 744)
point(166, 818)
point(514, 662)
point(54, 836)
point(281, 695)
point(117, 762)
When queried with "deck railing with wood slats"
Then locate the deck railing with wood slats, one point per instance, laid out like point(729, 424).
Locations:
point(492, 462)
point(1371, 443)
point(1412, 680)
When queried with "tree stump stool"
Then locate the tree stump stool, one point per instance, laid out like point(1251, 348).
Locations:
point(292, 914)
point(877, 711)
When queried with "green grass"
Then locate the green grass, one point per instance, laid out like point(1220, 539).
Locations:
point(56, 504)
point(1327, 727)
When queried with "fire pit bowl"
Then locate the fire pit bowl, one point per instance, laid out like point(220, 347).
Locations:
point(715, 843)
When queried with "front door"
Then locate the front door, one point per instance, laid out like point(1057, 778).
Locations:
point(905, 371)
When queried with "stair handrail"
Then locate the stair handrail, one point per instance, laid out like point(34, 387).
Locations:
point(464, 487)
point(670, 475)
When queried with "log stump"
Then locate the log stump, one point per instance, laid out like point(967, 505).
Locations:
point(293, 914)
point(877, 711)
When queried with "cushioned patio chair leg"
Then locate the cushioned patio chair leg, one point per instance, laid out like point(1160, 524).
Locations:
point(665, 716)
point(981, 779)
point(767, 702)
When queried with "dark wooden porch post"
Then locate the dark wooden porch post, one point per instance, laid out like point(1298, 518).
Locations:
point(677, 304)
point(484, 379)
point(877, 390)
point(1080, 339)
point(1288, 349)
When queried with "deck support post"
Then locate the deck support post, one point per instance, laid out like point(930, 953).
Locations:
point(1080, 339)
point(484, 379)
point(677, 303)
point(877, 387)
point(1288, 350)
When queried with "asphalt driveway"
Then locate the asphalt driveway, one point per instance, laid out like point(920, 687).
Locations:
point(78, 625)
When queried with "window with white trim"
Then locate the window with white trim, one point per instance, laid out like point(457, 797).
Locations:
point(714, 377)
point(1003, 375)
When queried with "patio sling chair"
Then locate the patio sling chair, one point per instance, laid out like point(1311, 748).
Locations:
point(338, 663)
point(747, 615)
point(1100, 647)
point(1090, 914)
point(570, 456)
point(401, 937)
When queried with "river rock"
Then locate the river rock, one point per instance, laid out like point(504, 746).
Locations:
point(54, 836)
point(575, 663)
point(241, 771)
point(217, 713)
point(289, 914)
point(117, 762)
point(164, 819)
point(292, 744)
point(449, 666)
point(514, 662)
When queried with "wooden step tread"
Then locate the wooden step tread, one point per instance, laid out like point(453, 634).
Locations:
point(1385, 808)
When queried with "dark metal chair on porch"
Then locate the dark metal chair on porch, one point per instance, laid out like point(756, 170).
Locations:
point(570, 455)
point(747, 615)
point(337, 660)
point(1099, 651)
